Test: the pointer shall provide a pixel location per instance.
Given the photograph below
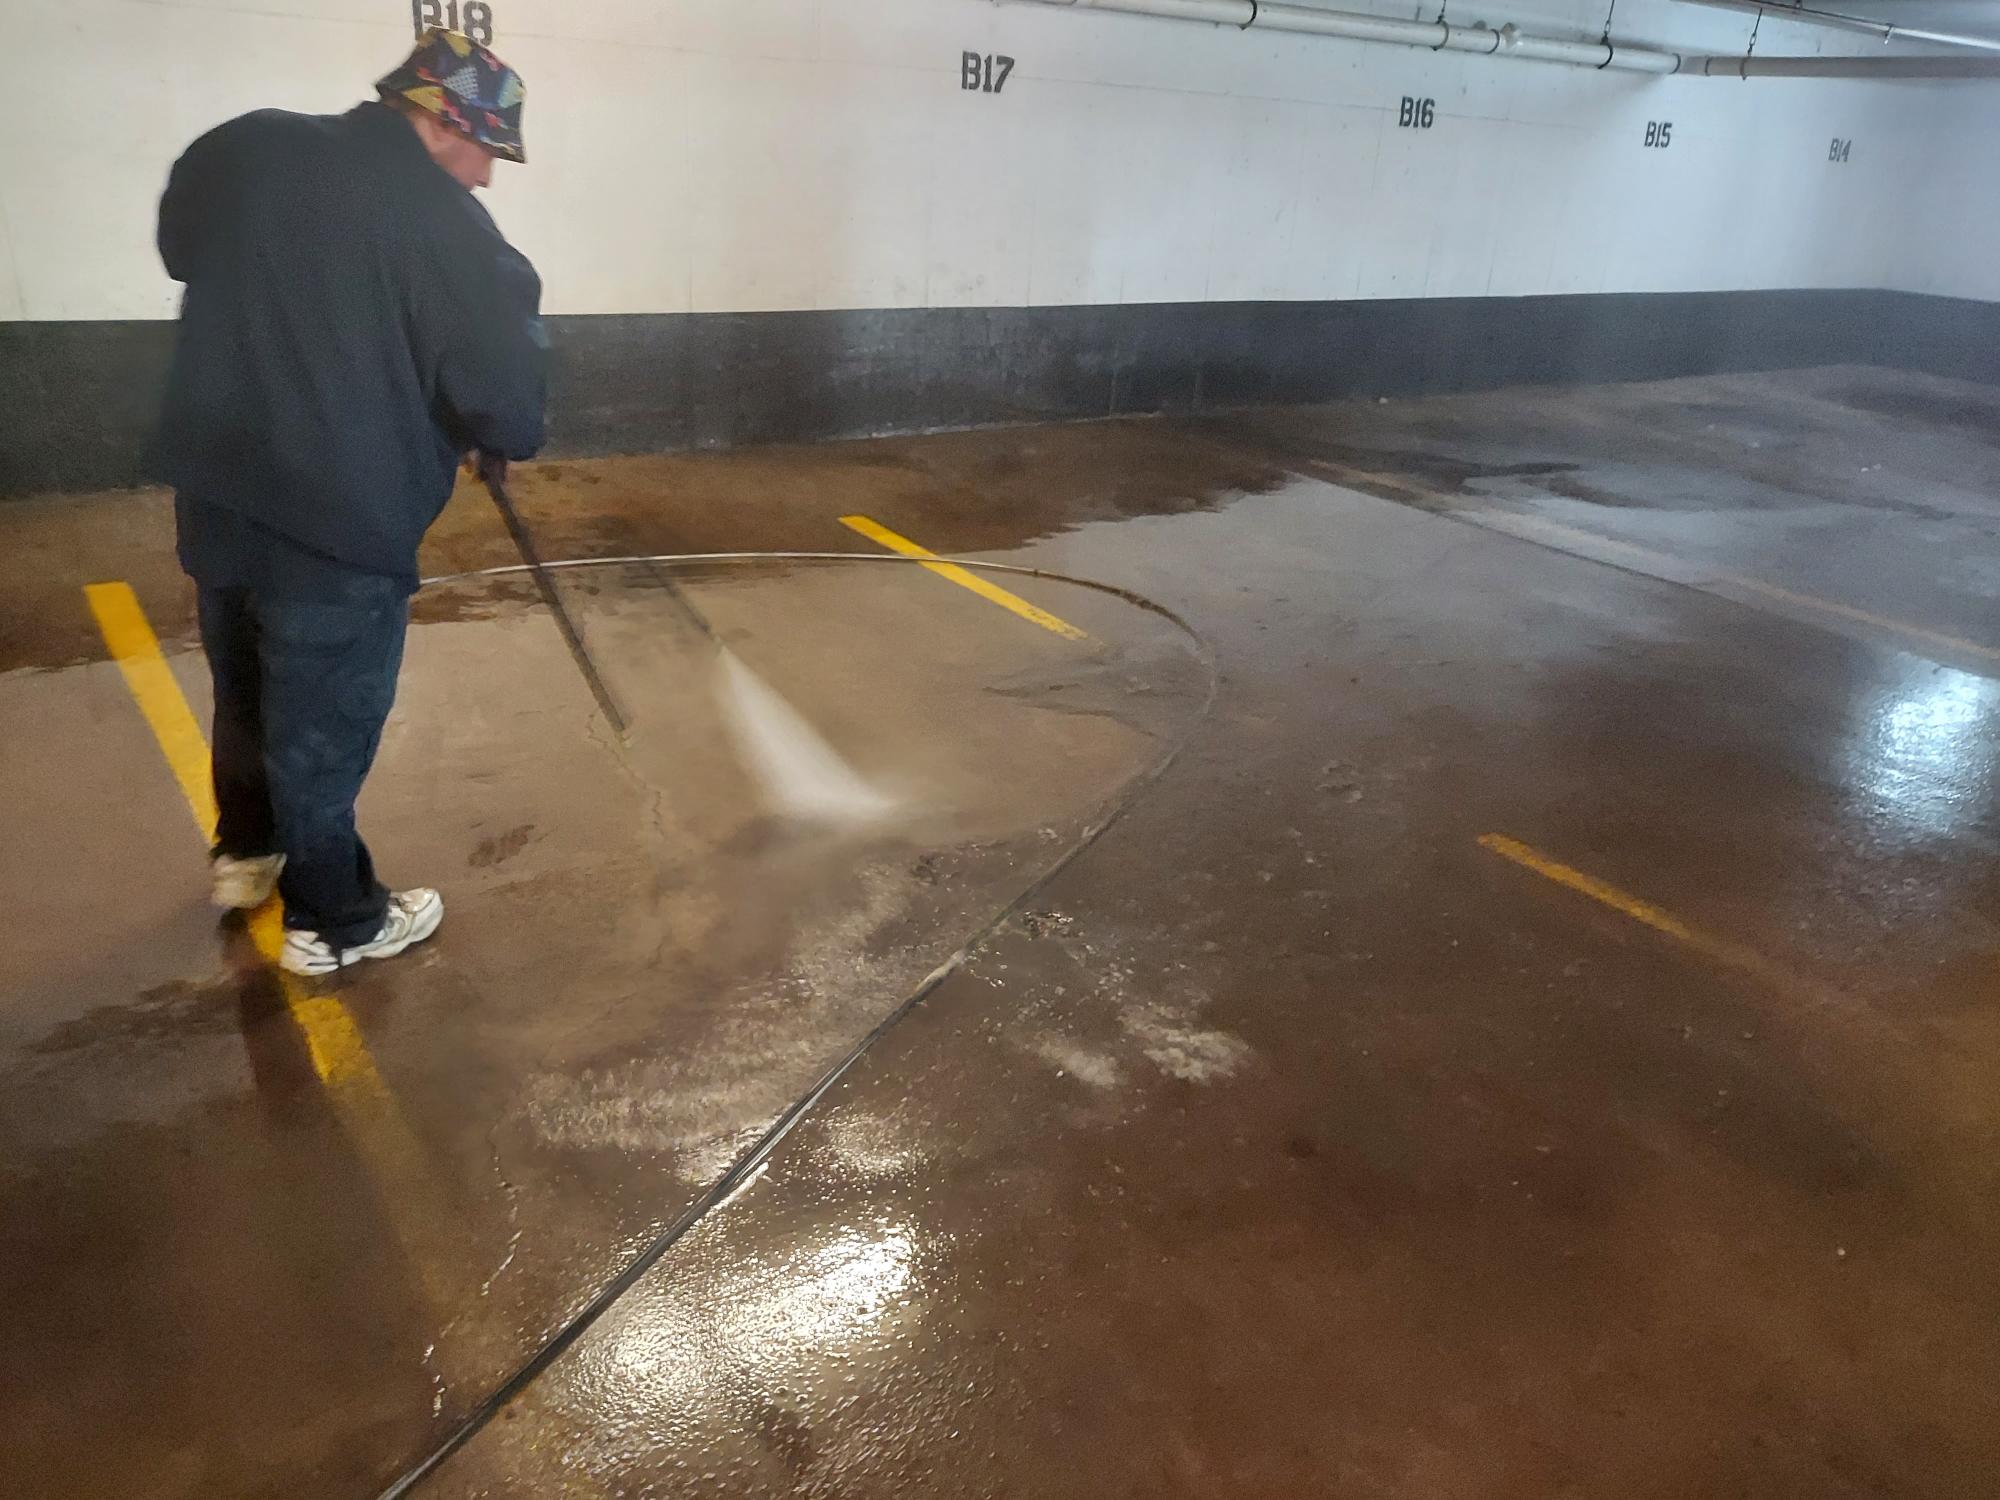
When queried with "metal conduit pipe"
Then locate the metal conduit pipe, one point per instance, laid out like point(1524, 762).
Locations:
point(1510, 41)
point(1888, 31)
point(1842, 67)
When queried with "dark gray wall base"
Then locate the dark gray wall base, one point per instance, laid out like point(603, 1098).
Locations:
point(77, 401)
point(76, 398)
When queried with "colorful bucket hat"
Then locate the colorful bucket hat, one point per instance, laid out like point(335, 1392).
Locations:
point(466, 86)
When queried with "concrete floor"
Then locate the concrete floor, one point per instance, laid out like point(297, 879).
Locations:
point(1540, 1038)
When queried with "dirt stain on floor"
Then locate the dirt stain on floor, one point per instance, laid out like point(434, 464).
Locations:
point(989, 490)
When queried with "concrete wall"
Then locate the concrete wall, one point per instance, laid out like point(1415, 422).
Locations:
point(1953, 245)
point(776, 190)
point(753, 155)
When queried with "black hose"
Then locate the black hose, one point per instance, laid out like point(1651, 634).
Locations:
point(760, 1151)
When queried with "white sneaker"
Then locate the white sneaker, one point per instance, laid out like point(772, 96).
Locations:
point(413, 916)
point(244, 884)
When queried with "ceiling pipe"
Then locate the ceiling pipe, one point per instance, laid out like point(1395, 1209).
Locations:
point(1510, 41)
point(1888, 31)
point(1842, 67)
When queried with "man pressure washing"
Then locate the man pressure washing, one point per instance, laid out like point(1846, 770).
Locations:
point(354, 324)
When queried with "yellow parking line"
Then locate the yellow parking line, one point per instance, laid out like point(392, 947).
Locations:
point(992, 592)
point(339, 1055)
point(1862, 616)
point(1541, 529)
point(137, 651)
point(1529, 527)
point(1588, 885)
point(1720, 950)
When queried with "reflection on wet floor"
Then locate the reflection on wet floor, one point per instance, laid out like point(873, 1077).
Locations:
point(1930, 753)
point(653, 963)
point(1288, 1141)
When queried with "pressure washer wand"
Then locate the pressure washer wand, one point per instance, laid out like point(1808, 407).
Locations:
point(798, 770)
point(572, 637)
point(672, 589)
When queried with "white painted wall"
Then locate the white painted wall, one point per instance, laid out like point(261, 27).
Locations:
point(1954, 248)
point(742, 155)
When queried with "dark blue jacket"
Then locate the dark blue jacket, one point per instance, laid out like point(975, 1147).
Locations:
point(353, 323)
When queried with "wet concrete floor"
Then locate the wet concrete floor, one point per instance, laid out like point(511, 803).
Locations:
point(1539, 1038)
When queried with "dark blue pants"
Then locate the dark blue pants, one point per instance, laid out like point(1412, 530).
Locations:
point(302, 690)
